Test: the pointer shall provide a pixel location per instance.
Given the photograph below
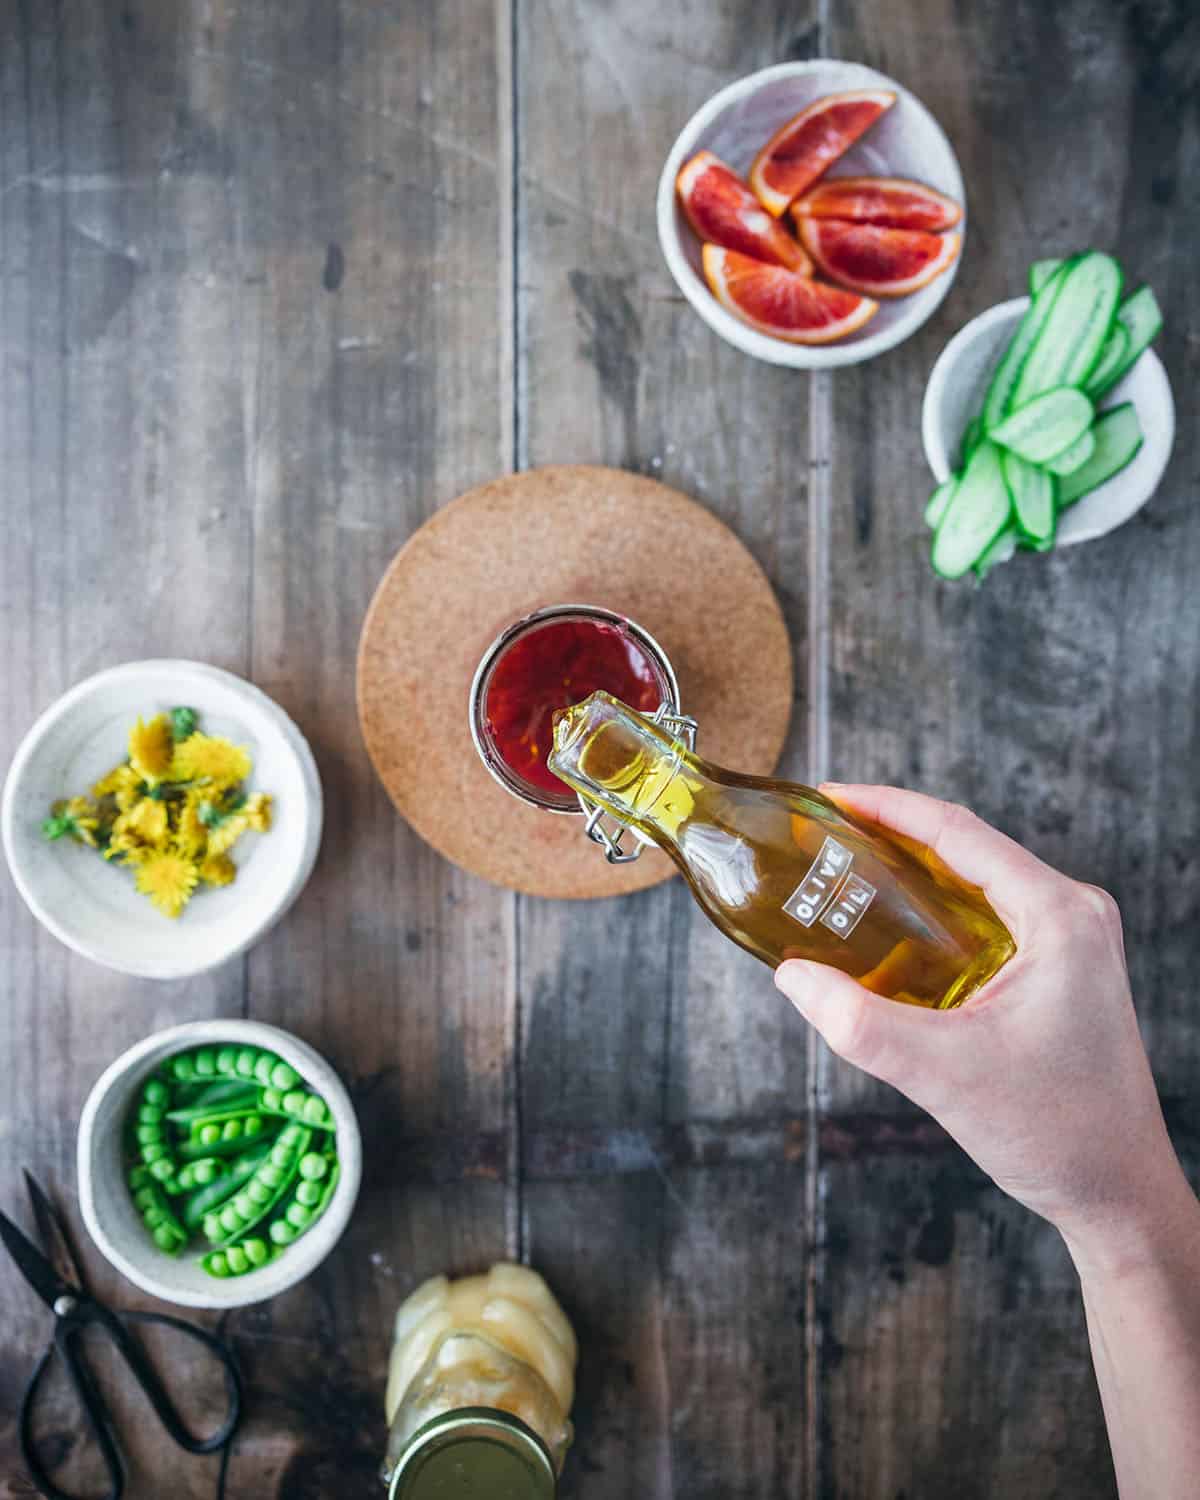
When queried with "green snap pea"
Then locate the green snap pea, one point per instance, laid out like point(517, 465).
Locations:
point(205, 1062)
point(242, 1212)
point(194, 1149)
point(183, 1067)
point(150, 1134)
point(246, 1058)
point(161, 1224)
point(264, 1065)
point(155, 1092)
point(237, 1259)
point(198, 1174)
point(298, 1104)
point(203, 1202)
point(226, 1060)
point(308, 1203)
point(214, 1099)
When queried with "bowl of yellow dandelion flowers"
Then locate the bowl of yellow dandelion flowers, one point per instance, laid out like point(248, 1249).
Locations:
point(161, 816)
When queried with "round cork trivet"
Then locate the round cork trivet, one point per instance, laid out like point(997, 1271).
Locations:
point(561, 535)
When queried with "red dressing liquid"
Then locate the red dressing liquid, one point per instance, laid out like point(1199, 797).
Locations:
point(552, 668)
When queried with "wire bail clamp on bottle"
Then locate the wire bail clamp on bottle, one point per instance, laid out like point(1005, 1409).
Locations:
point(683, 729)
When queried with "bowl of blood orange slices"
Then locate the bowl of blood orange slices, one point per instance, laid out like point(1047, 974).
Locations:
point(812, 213)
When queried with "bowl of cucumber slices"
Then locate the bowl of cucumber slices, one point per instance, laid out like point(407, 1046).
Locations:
point(1047, 420)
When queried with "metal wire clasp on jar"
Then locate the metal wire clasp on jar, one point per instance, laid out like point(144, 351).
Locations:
point(490, 708)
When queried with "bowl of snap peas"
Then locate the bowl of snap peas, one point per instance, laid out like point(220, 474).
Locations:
point(219, 1162)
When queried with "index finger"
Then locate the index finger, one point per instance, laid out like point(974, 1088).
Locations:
point(1012, 879)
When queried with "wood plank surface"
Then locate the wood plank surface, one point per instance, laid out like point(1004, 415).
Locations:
point(1058, 700)
point(247, 255)
point(640, 1024)
point(276, 281)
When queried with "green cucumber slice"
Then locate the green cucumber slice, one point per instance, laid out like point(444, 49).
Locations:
point(1112, 357)
point(1070, 458)
point(1118, 437)
point(998, 401)
point(1000, 551)
point(979, 510)
point(970, 440)
point(1069, 342)
point(1141, 318)
point(1043, 427)
point(1032, 491)
point(1040, 273)
point(938, 501)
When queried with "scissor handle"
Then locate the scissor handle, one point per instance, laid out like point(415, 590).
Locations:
point(147, 1376)
point(95, 1412)
point(67, 1329)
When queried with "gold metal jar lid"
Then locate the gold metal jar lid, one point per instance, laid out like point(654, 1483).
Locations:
point(475, 1453)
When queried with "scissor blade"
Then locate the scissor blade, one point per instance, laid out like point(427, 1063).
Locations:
point(53, 1236)
point(32, 1264)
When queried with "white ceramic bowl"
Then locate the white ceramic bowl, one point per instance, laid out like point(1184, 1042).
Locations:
point(906, 142)
point(956, 389)
point(104, 1198)
point(93, 906)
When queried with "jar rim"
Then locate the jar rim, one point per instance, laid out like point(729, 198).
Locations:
point(496, 766)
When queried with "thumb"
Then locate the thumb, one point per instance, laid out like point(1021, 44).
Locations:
point(896, 1042)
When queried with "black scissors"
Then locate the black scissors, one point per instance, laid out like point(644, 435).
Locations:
point(55, 1277)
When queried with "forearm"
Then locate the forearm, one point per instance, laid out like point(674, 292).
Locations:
point(1143, 1317)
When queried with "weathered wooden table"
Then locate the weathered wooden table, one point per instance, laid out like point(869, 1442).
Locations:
point(278, 281)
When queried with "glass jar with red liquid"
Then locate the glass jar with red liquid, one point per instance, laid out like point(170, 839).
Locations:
point(548, 661)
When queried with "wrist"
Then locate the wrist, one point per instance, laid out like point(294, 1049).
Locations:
point(1144, 1234)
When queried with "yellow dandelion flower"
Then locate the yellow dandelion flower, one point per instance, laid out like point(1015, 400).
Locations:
point(123, 784)
point(218, 869)
point(227, 832)
point(258, 812)
point(125, 847)
point(209, 758)
point(146, 820)
point(168, 879)
point(151, 748)
point(191, 836)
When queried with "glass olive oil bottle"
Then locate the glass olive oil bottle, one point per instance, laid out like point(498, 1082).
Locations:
point(782, 870)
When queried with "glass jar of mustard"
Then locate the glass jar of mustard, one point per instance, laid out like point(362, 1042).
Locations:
point(480, 1385)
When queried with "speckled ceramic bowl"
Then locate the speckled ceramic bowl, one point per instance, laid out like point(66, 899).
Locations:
point(107, 1206)
point(906, 142)
point(92, 906)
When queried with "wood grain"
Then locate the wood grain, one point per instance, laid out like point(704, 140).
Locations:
point(247, 254)
point(641, 1018)
point(1057, 700)
point(275, 283)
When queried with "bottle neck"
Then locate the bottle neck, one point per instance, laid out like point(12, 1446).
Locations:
point(633, 768)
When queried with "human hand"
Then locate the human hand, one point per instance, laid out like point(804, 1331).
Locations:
point(1041, 1076)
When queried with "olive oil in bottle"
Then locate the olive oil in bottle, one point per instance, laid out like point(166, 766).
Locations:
point(781, 869)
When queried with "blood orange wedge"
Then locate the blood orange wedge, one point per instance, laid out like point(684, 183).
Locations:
point(891, 201)
point(723, 210)
point(876, 261)
point(783, 303)
point(800, 151)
